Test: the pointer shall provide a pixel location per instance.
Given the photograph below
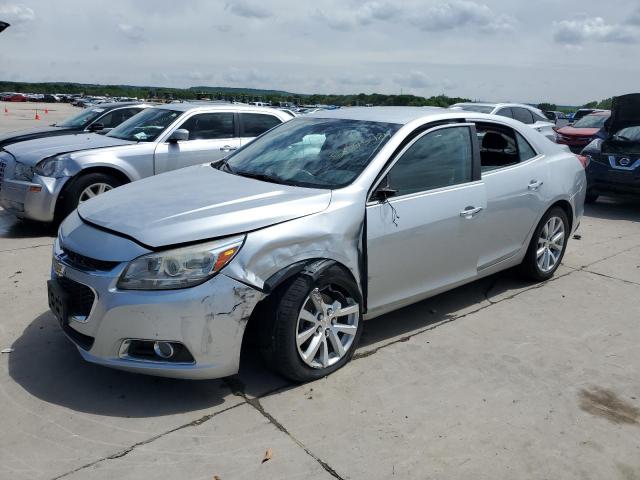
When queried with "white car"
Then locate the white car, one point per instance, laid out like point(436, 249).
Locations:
point(526, 114)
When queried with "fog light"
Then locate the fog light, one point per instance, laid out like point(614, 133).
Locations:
point(163, 349)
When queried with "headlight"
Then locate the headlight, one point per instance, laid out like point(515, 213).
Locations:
point(23, 172)
point(51, 167)
point(595, 145)
point(179, 268)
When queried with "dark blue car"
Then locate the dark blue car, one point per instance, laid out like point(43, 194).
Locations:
point(614, 156)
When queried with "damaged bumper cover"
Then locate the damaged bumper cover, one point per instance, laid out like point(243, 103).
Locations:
point(207, 320)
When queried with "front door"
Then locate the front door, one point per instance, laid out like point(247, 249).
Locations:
point(211, 137)
point(422, 239)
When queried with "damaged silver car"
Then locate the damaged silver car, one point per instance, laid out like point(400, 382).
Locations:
point(323, 222)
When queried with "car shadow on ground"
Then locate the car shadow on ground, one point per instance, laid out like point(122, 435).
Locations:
point(607, 208)
point(48, 366)
point(11, 227)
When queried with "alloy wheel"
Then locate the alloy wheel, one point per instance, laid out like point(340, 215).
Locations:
point(550, 244)
point(94, 190)
point(326, 328)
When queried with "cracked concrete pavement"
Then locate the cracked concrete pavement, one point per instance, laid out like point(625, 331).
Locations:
point(497, 379)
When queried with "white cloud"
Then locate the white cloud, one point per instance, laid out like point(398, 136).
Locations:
point(131, 32)
point(577, 32)
point(247, 10)
point(450, 15)
point(16, 14)
point(365, 14)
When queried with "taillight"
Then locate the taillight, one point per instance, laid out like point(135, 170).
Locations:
point(583, 160)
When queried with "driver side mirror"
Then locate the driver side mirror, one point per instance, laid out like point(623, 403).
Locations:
point(383, 192)
point(95, 127)
point(179, 135)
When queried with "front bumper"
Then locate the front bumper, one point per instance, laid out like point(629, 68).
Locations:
point(604, 178)
point(209, 320)
point(35, 200)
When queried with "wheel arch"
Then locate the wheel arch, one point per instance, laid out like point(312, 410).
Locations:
point(119, 174)
point(566, 206)
point(312, 267)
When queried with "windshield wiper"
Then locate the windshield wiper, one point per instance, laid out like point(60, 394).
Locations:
point(261, 176)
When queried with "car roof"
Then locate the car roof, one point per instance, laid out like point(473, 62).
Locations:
point(188, 106)
point(399, 115)
point(599, 113)
point(115, 104)
point(498, 104)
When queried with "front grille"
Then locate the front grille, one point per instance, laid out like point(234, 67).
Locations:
point(81, 297)
point(88, 263)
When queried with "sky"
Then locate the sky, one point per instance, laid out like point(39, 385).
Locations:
point(562, 51)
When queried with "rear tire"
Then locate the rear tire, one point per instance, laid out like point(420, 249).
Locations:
point(83, 187)
point(547, 246)
point(297, 313)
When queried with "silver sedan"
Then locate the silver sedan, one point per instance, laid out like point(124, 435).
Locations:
point(323, 222)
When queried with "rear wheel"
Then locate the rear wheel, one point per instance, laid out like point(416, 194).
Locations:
point(315, 326)
point(547, 246)
point(85, 188)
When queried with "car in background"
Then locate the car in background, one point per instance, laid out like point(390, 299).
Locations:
point(554, 115)
point(526, 114)
point(614, 156)
point(97, 119)
point(583, 112)
point(46, 178)
point(15, 97)
point(328, 220)
point(581, 133)
point(50, 98)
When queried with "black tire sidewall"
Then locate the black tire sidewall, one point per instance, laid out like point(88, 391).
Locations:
point(72, 194)
point(530, 263)
point(286, 358)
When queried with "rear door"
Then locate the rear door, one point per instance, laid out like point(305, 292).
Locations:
point(424, 237)
point(514, 176)
point(253, 125)
point(212, 136)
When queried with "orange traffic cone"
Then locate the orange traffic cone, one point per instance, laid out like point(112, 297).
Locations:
point(37, 116)
point(46, 111)
point(6, 111)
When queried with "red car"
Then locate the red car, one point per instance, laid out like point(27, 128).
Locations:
point(580, 134)
point(16, 97)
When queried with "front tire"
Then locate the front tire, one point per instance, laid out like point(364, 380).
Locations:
point(84, 188)
point(315, 325)
point(547, 246)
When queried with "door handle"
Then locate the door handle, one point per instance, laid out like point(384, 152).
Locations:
point(470, 212)
point(227, 148)
point(534, 185)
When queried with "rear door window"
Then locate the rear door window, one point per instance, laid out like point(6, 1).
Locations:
point(255, 124)
point(210, 126)
point(523, 115)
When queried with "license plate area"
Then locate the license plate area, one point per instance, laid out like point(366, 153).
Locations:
point(58, 301)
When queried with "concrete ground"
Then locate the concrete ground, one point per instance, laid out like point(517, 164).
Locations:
point(497, 379)
point(21, 115)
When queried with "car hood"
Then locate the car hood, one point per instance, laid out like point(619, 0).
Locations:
point(198, 203)
point(31, 152)
point(625, 112)
point(578, 132)
point(28, 134)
